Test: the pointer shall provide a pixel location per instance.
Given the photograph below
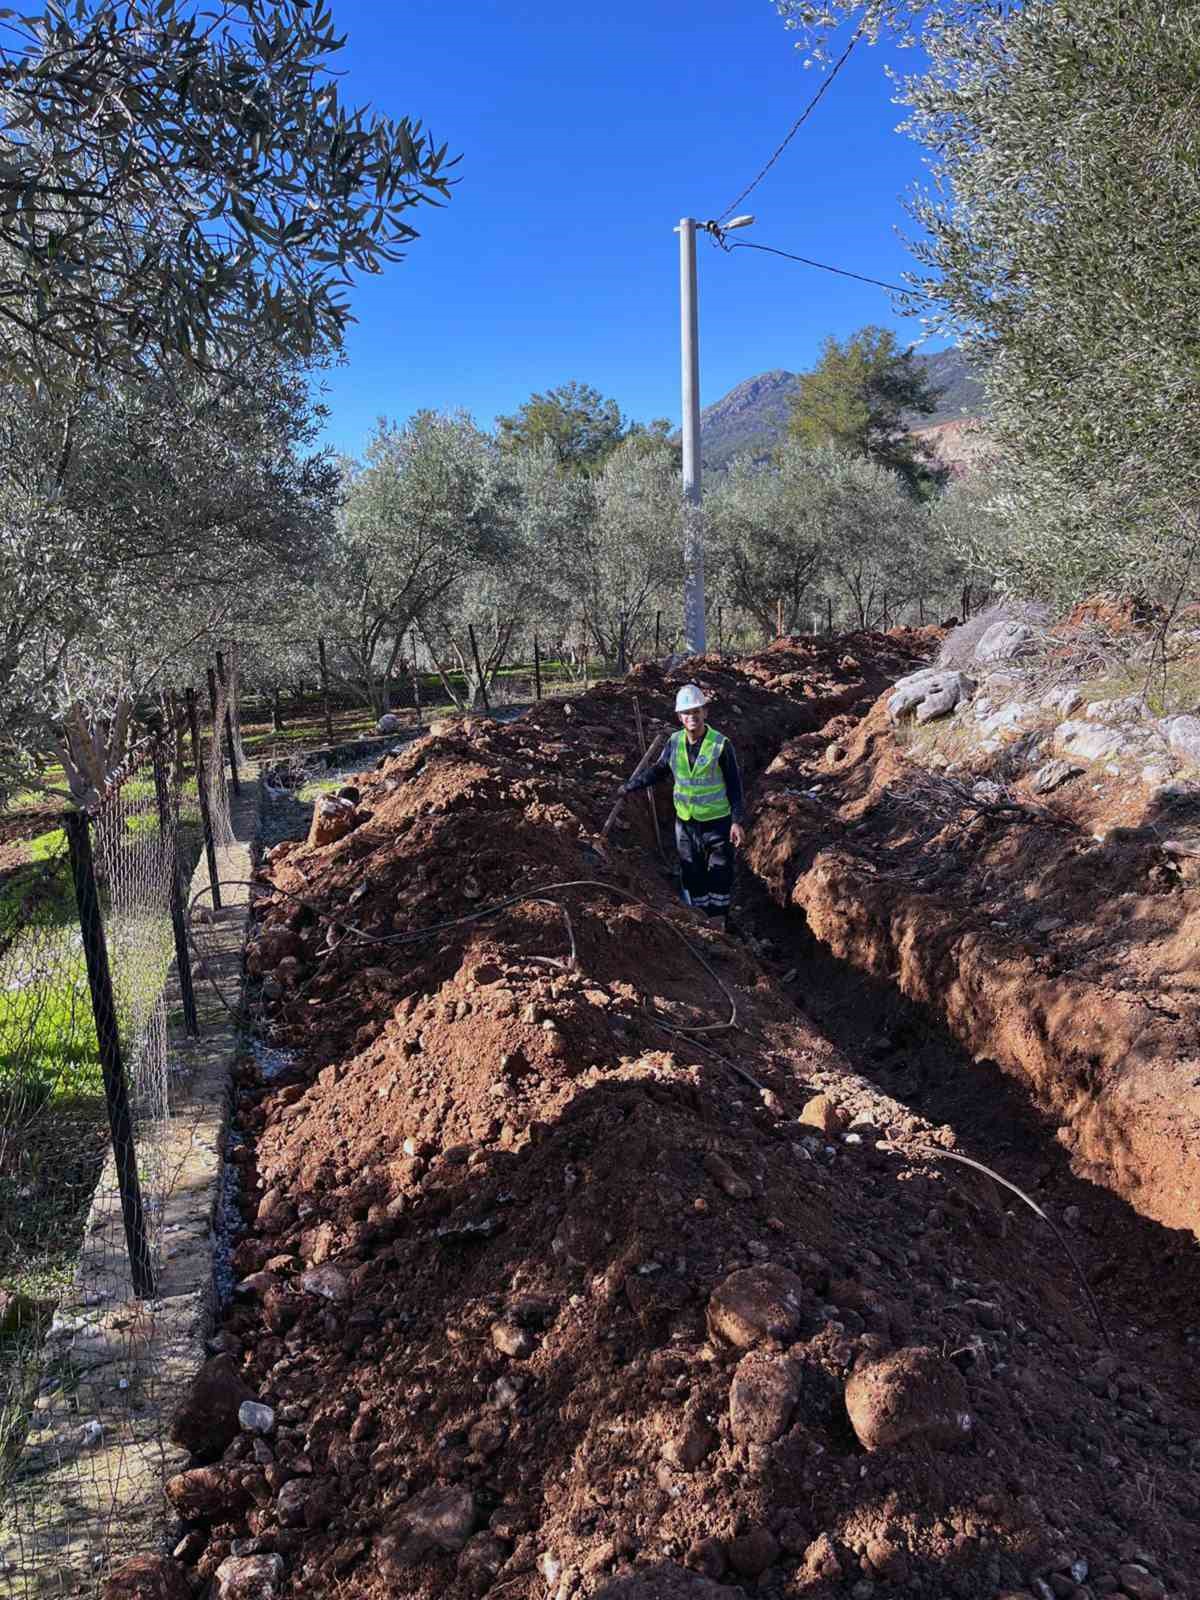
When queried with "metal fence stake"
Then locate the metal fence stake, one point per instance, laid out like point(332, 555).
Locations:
point(104, 1011)
point(170, 838)
point(229, 743)
point(537, 670)
point(210, 849)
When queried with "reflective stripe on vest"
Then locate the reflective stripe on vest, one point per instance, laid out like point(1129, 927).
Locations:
point(700, 793)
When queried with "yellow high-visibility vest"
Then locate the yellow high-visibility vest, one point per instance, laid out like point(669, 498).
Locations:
point(700, 792)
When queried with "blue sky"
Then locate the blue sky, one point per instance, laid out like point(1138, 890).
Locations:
point(585, 133)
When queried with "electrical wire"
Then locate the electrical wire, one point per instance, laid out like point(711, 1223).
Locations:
point(822, 266)
point(798, 124)
point(539, 893)
point(937, 1153)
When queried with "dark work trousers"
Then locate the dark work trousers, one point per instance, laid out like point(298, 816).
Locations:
point(706, 863)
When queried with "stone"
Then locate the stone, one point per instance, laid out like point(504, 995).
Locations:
point(821, 1113)
point(1052, 775)
point(147, 1578)
point(912, 1395)
point(291, 1501)
point(1183, 738)
point(757, 1303)
point(927, 694)
point(206, 1493)
point(330, 1282)
point(1137, 1581)
point(440, 1519)
point(1064, 699)
point(1130, 708)
point(512, 1340)
point(388, 723)
point(254, 1417)
point(1013, 718)
point(762, 1397)
point(1005, 641)
point(250, 1577)
point(332, 820)
point(275, 1211)
point(207, 1423)
point(752, 1553)
point(1088, 741)
point(482, 1557)
point(686, 1449)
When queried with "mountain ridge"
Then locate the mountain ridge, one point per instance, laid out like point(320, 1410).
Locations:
point(753, 415)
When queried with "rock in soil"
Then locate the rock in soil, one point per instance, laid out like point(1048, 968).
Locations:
point(147, 1578)
point(757, 1303)
point(910, 1396)
point(250, 1578)
point(207, 1421)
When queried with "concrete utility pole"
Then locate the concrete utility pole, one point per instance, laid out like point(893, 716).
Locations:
point(693, 525)
point(694, 634)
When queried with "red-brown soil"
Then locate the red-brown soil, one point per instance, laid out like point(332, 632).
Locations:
point(1054, 938)
point(526, 1364)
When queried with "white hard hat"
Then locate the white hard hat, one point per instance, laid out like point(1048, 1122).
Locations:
point(690, 698)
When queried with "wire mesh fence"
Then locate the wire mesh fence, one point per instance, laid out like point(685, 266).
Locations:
point(88, 939)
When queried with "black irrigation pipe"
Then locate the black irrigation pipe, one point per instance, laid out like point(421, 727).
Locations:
point(537, 894)
point(936, 1153)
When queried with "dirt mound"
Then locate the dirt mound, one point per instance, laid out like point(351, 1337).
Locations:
point(552, 1293)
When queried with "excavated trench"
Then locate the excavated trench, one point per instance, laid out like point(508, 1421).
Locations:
point(1059, 955)
point(499, 1220)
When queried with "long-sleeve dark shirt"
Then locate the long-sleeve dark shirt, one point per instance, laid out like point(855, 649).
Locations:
point(662, 769)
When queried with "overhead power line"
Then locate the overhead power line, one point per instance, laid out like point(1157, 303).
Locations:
point(823, 266)
point(798, 124)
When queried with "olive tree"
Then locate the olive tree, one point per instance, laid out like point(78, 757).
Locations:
point(423, 513)
point(137, 521)
point(184, 181)
point(769, 534)
point(630, 550)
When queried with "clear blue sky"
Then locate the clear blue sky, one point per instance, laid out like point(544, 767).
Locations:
point(585, 133)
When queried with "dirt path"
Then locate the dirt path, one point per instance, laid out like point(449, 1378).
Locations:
point(551, 1294)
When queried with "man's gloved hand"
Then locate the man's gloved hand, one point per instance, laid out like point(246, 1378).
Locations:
point(737, 835)
point(622, 789)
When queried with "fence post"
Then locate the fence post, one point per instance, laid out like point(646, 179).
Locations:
point(210, 849)
point(583, 646)
point(104, 1011)
point(229, 744)
point(829, 613)
point(657, 634)
point(537, 669)
point(170, 844)
point(325, 690)
point(276, 711)
point(416, 677)
point(720, 630)
point(779, 619)
point(478, 667)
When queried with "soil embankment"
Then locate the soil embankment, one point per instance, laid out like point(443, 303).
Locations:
point(1059, 948)
point(551, 1293)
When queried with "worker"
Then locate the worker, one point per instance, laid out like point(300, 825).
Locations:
point(709, 813)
